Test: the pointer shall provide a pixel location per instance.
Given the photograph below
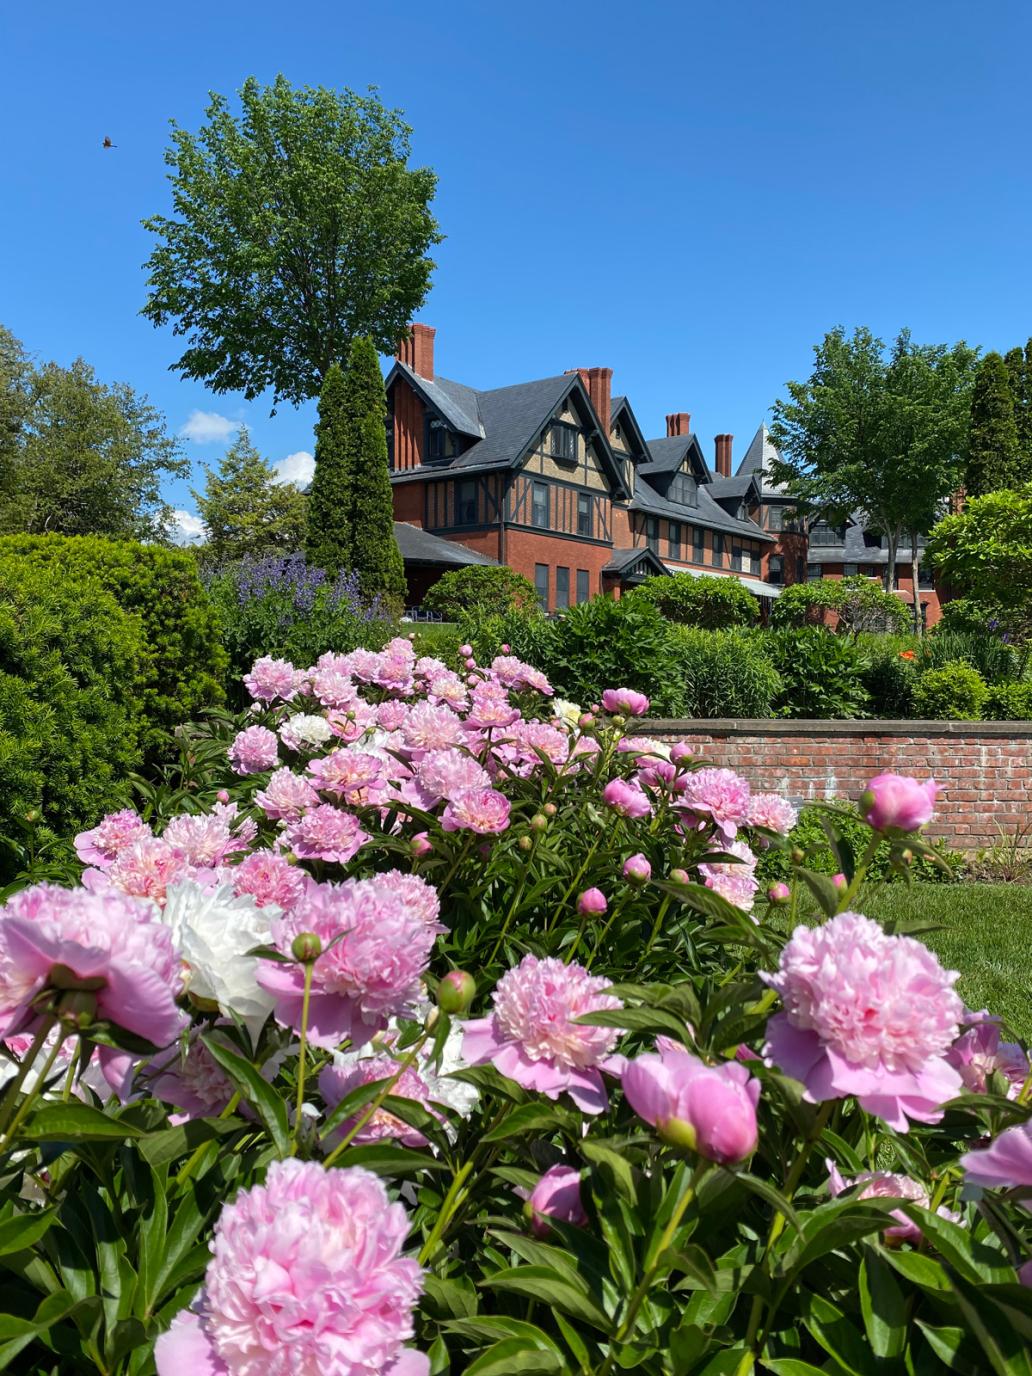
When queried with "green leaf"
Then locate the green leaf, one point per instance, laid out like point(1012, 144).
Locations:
point(921, 1270)
point(883, 1307)
point(457, 1298)
point(1007, 1352)
point(160, 1149)
point(822, 889)
point(268, 1104)
point(351, 1105)
point(543, 1283)
point(828, 1325)
point(75, 1122)
point(972, 1259)
point(790, 1366)
point(16, 1333)
point(516, 1354)
point(615, 1166)
point(385, 1159)
point(834, 1225)
point(535, 1117)
point(636, 1020)
point(773, 1196)
point(944, 1342)
point(23, 1231)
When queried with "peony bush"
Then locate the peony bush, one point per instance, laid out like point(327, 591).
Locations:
point(426, 1023)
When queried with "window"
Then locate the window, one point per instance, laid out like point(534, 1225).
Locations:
point(584, 522)
point(675, 540)
point(652, 532)
point(717, 554)
point(816, 570)
point(541, 584)
point(539, 508)
point(736, 558)
point(850, 570)
point(775, 518)
point(583, 585)
point(776, 569)
point(437, 441)
point(699, 546)
point(564, 443)
point(466, 502)
point(682, 489)
point(822, 534)
point(924, 576)
point(562, 587)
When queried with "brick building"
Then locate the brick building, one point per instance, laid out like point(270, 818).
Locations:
point(851, 548)
point(555, 478)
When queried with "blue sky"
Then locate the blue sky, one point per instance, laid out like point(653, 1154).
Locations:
point(689, 193)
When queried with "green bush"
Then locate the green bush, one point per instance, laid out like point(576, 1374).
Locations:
point(727, 674)
point(183, 665)
point(809, 835)
point(891, 675)
point(994, 660)
point(1008, 702)
point(438, 639)
point(598, 644)
point(822, 674)
point(480, 590)
point(70, 726)
point(709, 603)
point(956, 692)
point(852, 604)
point(282, 606)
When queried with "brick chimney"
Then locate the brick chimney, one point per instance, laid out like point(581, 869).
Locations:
point(599, 384)
point(680, 423)
point(417, 350)
point(723, 445)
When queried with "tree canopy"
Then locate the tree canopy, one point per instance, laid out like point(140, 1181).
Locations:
point(878, 431)
point(246, 512)
point(984, 553)
point(375, 556)
point(328, 532)
point(297, 227)
point(994, 447)
point(78, 456)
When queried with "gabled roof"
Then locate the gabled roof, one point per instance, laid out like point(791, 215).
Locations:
point(758, 459)
point(620, 410)
point(508, 421)
point(626, 558)
point(708, 513)
point(737, 486)
point(420, 547)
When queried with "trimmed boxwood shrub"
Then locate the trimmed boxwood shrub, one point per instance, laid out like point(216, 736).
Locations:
point(852, 604)
point(1008, 702)
point(956, 692)
point(480, 590)
point(70, 727)
point(727, 674)
point(709, 602)
point(182, 667)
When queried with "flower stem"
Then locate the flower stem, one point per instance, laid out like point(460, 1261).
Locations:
point(859, 873)
point(406, 1061)
point(37, 1089)
point(561, 905)
point(11, 1096)
point(302, 1057)
point(657, 924)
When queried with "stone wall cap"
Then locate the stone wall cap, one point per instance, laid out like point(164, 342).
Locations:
point(788, 726)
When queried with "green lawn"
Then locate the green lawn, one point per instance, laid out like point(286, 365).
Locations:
point(986, 934)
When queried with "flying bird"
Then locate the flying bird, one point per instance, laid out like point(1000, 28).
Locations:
point(108, 143)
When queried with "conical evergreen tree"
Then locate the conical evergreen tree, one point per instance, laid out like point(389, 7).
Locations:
point(245, 510)
point(994, 455)
point(1024, 416)
point(375, 556)
point(328, 540)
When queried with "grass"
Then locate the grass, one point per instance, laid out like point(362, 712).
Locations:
point(985, 933)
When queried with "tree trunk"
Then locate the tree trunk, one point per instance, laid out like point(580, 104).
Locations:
point(892, 539)
point(915, 573)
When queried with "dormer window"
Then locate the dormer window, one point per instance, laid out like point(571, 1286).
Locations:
point(564, 442)
point(438, 441)
point(683, 490)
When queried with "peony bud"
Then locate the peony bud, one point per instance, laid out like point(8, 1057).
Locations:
point(506, 649)
point(465, 651)
point(592, 903)
point(549, 809)
point(679, 876)
point(681, 750)
point(585, 721)
point(894, 802)
point(539, 822)
point(779, 894)
point(637, 869)
point(456, 992)
point(525, 843)
point(223, 795)
point(625, 701)
point(420, 845)
point(556, 1195)
point(710, 1110)
point(306, 948)
point(841, 882)
point(798, 855)
point(471, 663)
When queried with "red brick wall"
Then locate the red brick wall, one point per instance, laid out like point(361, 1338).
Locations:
point(984, 769)
point(408, 503)
point(906, 586)
point(525, 548)
point(409, 424)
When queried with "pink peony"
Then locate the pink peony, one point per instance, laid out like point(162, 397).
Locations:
point(392, 715)
point(532, 1036)
point(306, 1279)
point(427, 727)
point(897, 803)
point(491, 707)
point(105, 842)
point(979, 1053)
point(447, 687)
point(708, 1109)
point(337, 1081)
point(331, 684)
point(191, 1080)
point(869, 1015)
point(886, 1185)
point(113, 945)
point(146, 868)
point(351, 774)
point(286, 796)
point(720, 794)
point(447, 773)
point(772, 811)
point(628, 800)
point(625, 701)
point(273, 679)
point(326, 833)
point(1005, 1164)
point(637, 870)
point(206, 839)
point(254, 750)
point(270, 878)
point(735, 882)
point(483, 810)
point(511, 672)
point(418, 896)
point(556, 1195)
point(375, 948)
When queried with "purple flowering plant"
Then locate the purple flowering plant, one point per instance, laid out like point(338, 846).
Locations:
point(426, 1024)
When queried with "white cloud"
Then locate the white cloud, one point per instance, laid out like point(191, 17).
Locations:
point(295, 468)
point(187, 528)
point(208, 427)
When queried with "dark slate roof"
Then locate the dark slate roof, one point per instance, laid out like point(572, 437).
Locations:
point(852, 549)
point(420, 547)
point(757, 460)
point(615, 406)
point(739, 485)
point(623, 558)
point(457, 403)
point(708, 513)
point(667, 454)
point(513, 417)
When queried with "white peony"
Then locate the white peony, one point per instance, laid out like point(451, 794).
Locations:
point(566, 712)
point(305, 732)
point(214, 930)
